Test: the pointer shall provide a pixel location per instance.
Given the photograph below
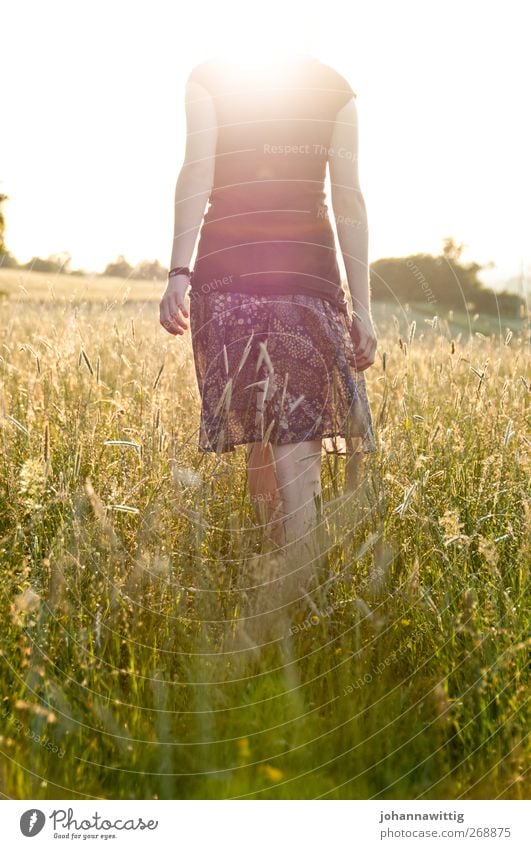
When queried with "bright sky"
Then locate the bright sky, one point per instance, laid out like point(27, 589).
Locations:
point(93, 132)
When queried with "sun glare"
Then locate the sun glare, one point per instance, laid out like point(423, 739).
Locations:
point(271, 40)
point(244, 57)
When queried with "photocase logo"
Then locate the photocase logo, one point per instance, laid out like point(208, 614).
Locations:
point(31, 822)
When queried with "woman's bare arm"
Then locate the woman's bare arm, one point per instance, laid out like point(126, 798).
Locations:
point(192, 190)
point(349, 205)
point(352, 231)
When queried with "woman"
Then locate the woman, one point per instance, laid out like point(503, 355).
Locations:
point(279, 362)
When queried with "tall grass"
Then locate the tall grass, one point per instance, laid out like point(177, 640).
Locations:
point(129, 562)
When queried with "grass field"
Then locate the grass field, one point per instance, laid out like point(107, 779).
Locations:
point(127, 558)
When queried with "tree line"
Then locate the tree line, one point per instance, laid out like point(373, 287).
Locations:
point(441, 281)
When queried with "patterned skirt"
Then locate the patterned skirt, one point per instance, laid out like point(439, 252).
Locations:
point(277, 369)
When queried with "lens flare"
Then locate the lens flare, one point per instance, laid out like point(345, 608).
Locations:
point(275, 38)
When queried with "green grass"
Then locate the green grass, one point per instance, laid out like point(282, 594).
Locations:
point(121, 586)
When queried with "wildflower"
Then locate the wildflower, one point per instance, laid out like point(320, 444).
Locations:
point(244, 750)
point(271, 772)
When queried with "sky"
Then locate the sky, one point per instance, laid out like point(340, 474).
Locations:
point(93, 122)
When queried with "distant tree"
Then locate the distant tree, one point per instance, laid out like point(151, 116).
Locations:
point(2, 223)
point(54, 264)
point(7, 260)
point(443, 281)
point(62, 260)
point(119, 268)
point(150, 270)
point(452, 250)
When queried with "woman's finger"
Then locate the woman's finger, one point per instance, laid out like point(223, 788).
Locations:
point(365, 358)
point(177, 310)
point(363, 348)
point(176, 300)
point(168, 321)
point(368, 358)
point(169, 325)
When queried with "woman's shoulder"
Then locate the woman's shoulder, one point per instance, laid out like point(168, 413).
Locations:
point(216, 71)
point(335, 82)
point(205, 72)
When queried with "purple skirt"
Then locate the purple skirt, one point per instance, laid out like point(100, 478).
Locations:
point(276, 369)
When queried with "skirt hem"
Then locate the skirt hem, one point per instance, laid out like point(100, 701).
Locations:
point(326, 435)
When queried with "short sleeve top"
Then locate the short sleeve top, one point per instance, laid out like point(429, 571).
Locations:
point(267, 227)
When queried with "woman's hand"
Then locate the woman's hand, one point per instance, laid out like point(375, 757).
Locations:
point(172, 305)
point(364, 339)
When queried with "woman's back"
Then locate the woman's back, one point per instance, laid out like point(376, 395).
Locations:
point(273, 343)
point(267, 228)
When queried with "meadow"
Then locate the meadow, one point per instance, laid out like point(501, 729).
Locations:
point(129, 561)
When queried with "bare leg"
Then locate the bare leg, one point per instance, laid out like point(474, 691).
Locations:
point(356, 484)
point(355, 474)
point(298, 472)
point(263, 490)
point(261, 474)
point(285, 486)
point(354, 465)
point(284, 483)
